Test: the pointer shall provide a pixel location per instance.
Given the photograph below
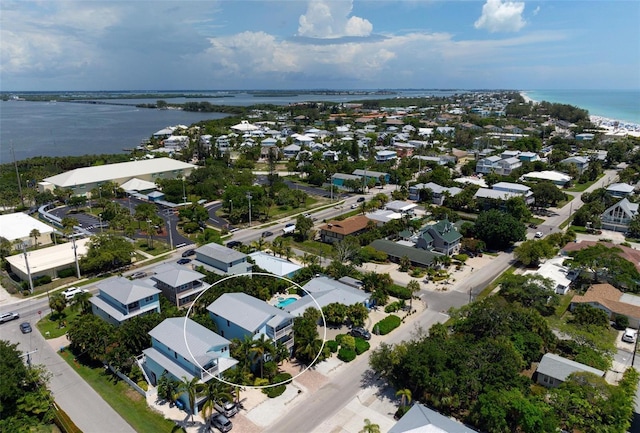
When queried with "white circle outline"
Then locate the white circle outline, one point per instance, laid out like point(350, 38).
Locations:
point(284, 382)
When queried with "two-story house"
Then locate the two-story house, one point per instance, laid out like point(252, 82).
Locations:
point(237, 315)
point(222, 260)
point(507, 165)
point(336, 231)
point(487, 165)
point(120, 299)
point(179, 284)
point(620, 190)
point(619, 216)
point(581, 162)
point(516, 188)
point(181, 348)
point(442, 237)
point(438, 193)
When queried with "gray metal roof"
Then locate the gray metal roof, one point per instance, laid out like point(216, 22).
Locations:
point(247, 312)
point(175, 275)
point(421, 419)
point(326, 291)
point(117, 314)
point(126, 291)
point(560, 368)
point(220, 252)
point(171, 333)
point(394, 249)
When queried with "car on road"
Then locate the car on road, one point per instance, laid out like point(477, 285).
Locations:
point(306, 215)
point(267, 234)
point(71, 292)
point(138, 275)
point(25, 327)
point(360, 199)
point(8, 317)
point(184, 261)
point(354, 206)
point(290, 225)
point(360, 332)
point(189, 253)
point(233, 244)
point(538, 234)
point(221, 422)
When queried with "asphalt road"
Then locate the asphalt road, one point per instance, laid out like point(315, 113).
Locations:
point(85, 407)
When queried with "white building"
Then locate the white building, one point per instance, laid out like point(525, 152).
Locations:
point(18, 226)
point(47, 261)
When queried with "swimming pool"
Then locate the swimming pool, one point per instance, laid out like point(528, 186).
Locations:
point(283, 302)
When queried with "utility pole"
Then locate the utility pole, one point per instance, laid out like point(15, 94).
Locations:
point(18, 178)
point(170, 235)
point(249, 197)
point(26, 262)
point(75, 254)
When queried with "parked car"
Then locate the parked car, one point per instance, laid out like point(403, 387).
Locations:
point(533, 226)
point(71, 292)
point(360, 199)
point(226, 408)
point(360, 332)
point(267, 234)
point(189, 253)
point(538, 234)
point(8, 317)
point(233, 244)
point(184, 261)
point(25, 327)
point(221, 422)
point(138, 275)
point(629, 335)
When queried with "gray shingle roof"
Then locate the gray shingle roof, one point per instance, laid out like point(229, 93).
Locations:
point(560, 368)
point(126, 291)
point(221, 253)
point(247, 312)
point(416, 255)
point(421, 419)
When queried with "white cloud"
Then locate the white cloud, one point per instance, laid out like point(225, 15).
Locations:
point(330, 19)
point(501, 16)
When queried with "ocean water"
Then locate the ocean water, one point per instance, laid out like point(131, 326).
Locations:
point(623, 105)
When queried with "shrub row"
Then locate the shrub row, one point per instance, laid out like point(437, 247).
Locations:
point(346, 355)
point(275, 391)
point(387, 325)
point(394, 306)
point(399, 292)
point(361, 346)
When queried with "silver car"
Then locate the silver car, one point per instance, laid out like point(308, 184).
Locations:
point(8, 317)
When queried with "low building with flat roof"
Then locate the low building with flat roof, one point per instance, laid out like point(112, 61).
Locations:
point(82, 180)
point(20, 226)
point(47, 261)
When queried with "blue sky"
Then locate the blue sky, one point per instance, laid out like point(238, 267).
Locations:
point(295, 44)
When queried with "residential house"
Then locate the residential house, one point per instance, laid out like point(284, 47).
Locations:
point(586, 136)
point(291, 151)
point(421, 419)
point(612, 301)
point(370, 174)
point(275, 265)
point(180, 285)
point(580, 162)
point(120, 299)
point(222, 260)
point(442, 237)
point(487, 165)
point(529, 157)
point(401, 207)
point(182, 348)
point(507, 165)
point(619, 216)
point(386, 156)
point(382, 216)
point(237, 315)
point(522, 190)
point(560, 179)
point(620, 190)
point(553, 370)
point(396, 251)
point(336, 230)
point(223, 143)
point(338, 179)
point(627, 253)
point(561, 275)
point(438, 193)
point(322, 291)
point(510, 154)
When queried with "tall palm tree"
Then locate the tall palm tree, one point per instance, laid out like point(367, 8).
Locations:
point(35, 234)
point(191, 388)
point(414, 287)
point(81, 302)
point(405, 396)
point(261, 348)
point(215, 391)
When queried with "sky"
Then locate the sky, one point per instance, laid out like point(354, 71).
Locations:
point(54, 45)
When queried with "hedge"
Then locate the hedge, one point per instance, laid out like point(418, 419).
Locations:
point(346, 355)
point(361, 346)
point(332, 345)
point(399, 292)
point(339, 338)
point(67, 272)
point(275, 391)
point(387, 325)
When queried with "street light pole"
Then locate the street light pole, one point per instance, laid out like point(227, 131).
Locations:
point(26, 262)
point(249, 198)
point(184, 193)
point(170, 235)
point(75, 254)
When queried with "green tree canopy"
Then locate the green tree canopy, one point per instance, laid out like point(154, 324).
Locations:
point(106, 252)
point(499, 230)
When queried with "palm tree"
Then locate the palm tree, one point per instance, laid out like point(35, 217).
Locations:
point(369, 427)
point(191, 388)
point(405, 396)
point(58, 303)
point(215, 391)
point(414, 287)
point(281, 352)
point(260, 348)
point(81, 301)
point(35, 234)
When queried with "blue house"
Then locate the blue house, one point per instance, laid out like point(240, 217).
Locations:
point(237, 315)
point(120, 299)
point(181, 348)
point(338, 179)
point(369, 174)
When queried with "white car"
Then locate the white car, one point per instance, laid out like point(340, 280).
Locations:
point(538, 234)
point(629, 335)
point(71, 292)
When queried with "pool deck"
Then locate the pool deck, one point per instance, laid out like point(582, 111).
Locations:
point(280, 301)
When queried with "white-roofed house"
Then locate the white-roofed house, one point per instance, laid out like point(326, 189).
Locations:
point(581, 162)
point(619, 216)
point(182, 348)
point(620, 190)
point(322, 291)
point(402, 207)
point(421, 419)
point(238, 315)
point(438, 193)
point(523, 190)
point(19, 226)
point(222, 260)
point(554, 369)
point(560, 179)
point(386, 155)
point(179, 284)
point(47, 261)
point(488, 165)
point(275, 265)
point(120, 299)
point(561, 275)
point(82, 180)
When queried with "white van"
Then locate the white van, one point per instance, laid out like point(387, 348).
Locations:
point(630, 335)
point(71, 292)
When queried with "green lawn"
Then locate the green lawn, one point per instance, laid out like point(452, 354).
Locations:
point(51, 328)
point(159, 247)
point(313, 247)
point(124, 400)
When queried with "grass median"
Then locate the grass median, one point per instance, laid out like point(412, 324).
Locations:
point(131, 406)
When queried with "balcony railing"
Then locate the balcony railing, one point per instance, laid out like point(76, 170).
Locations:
point(277, 334)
